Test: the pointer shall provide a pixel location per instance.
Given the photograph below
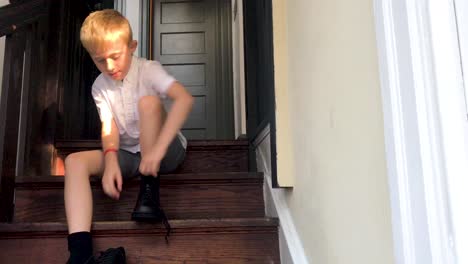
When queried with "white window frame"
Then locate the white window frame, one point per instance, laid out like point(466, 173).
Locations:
point(131, 10)
point(459, 182)
point(426, 129)
point(461, 9)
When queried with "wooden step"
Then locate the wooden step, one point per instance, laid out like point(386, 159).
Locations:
point(183, 196)
point(202, 155)
point(253, 240)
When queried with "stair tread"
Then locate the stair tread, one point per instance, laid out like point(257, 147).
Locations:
point(113, 227)
point(166, 179)
point(59, 144)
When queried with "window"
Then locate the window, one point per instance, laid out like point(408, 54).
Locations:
point(461, 12)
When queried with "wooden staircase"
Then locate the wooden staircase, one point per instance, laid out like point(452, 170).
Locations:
point(215, 207)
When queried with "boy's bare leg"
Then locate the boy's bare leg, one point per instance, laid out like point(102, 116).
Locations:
point(152, 113)
point(152, 116)
point(78, 196)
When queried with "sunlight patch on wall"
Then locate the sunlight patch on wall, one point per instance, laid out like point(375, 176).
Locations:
point(285, 169)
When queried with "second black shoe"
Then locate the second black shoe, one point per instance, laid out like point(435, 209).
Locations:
point(112, 256)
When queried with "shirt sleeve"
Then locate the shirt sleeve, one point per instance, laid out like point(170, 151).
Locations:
point(102, 106)
point(157, 78)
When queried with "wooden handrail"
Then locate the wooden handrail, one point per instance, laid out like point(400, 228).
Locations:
point(20, 14)
point(23, 23)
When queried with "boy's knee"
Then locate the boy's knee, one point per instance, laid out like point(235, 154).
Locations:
point(149, 104)
point(73, 160)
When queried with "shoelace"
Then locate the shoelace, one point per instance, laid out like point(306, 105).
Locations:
point(166, 224)
point(161, 212)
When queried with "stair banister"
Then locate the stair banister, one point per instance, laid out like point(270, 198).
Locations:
point(18, 24)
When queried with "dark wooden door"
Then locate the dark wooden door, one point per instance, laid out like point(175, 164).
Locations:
point(192, 40)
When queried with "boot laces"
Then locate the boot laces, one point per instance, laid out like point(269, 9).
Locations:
point(148, 195)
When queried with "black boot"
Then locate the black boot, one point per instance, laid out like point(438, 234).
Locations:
point(147, 208)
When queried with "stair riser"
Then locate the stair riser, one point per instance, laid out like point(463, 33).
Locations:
point(242, 247)
point(215, 161)
point(186, 201)
point(230, 156)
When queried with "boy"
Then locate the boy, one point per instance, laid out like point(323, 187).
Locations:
point(138, 137)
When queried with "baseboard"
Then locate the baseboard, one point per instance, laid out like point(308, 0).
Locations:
point(291, 249)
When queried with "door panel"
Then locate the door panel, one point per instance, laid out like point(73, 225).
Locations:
point(184, 42)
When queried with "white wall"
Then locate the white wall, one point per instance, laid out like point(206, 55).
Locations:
point(284, 152)
point(332, 104)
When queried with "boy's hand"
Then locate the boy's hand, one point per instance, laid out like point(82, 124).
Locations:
point(150, 163)
point(112, 178)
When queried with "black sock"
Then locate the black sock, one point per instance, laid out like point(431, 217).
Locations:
point(80, 247)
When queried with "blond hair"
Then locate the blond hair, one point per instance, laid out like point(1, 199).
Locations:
point(104, 26)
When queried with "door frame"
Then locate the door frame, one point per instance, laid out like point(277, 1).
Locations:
point(260, 80)
point(425, 129)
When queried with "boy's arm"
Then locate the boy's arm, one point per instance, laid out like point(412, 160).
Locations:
point(109, 135)
point(112, 178)
point(181, 107)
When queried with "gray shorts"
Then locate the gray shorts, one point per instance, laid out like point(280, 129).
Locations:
point(130, 162)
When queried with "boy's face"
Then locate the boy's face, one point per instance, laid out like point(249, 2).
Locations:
point(114, 58)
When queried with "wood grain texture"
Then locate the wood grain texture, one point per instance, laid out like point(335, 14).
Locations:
point(105, 228)
point(196, 241)
point(202, 156)
point(195, 145)
point(17, 15)
point(9, 118)
point(183, 196)
point(25, 57)
point(214, 161)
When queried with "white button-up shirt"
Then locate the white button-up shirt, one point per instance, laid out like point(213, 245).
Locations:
point(119, 99)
